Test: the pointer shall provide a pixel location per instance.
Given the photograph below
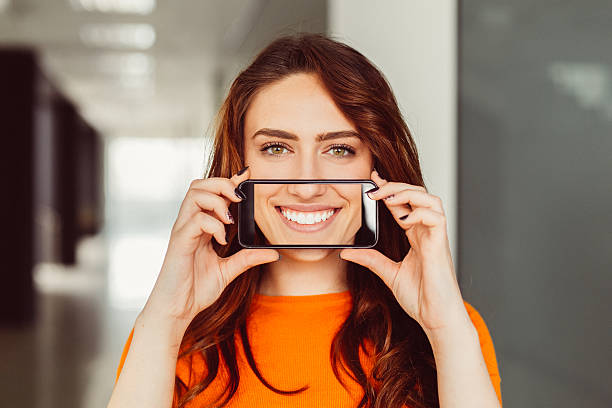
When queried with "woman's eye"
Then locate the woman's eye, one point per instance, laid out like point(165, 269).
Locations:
point(273, 148)
point(277, 149)
point(343, 149)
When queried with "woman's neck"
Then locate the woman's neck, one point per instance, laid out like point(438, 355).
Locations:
point(310, 274)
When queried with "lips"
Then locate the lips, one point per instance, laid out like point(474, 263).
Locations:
point(323, 214)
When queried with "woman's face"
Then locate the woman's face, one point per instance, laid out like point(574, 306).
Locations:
point(285, 133)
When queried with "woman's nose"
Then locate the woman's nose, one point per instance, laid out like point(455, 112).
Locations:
point(306, 191)
point(308, 168)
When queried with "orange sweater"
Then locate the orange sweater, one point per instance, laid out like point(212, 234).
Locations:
point(290, 338)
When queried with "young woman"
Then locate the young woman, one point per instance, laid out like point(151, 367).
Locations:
point(380, 327)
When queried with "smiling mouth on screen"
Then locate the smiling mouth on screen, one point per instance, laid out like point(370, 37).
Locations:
point(307, 221)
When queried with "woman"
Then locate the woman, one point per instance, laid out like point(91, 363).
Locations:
point(382, 327)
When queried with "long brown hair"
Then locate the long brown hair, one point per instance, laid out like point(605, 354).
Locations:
point(404, 367)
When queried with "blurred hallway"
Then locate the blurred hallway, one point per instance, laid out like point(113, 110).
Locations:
point(69, 356)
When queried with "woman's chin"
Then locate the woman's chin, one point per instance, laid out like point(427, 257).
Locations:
point(305, 254)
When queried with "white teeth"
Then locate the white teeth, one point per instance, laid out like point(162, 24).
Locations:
point(307, 218)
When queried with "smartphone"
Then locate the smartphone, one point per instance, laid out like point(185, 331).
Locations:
point(307, 213)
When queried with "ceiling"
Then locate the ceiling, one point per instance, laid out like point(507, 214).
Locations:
point(159, 72)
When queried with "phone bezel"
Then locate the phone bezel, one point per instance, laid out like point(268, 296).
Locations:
point(242, 208)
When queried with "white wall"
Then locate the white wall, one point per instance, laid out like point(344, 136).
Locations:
point(414, 44)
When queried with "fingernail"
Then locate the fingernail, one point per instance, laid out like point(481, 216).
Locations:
point(229, 217)
point(239, 194)
point(403, 217)
point(242, 171)
point(371, 191)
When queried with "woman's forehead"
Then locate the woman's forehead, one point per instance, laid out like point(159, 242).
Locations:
point(299, 105)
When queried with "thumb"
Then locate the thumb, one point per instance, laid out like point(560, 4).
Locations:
point(247, 258)
point(373, 260)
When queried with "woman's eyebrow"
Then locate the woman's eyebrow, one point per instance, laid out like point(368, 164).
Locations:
point(320, 137)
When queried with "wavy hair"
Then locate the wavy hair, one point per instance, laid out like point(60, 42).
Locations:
point(403, 370)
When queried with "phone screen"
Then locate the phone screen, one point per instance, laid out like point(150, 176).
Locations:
point(298, 213)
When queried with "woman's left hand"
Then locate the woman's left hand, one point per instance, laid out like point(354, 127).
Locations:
point(424, 282)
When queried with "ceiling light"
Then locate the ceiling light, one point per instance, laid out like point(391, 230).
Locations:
point(132, 63)
point(115, 6)
point(124, 36)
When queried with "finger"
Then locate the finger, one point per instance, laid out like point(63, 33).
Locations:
point(246, 258)
point(377, 178)
point(392, 187)
point(187, 238)
point(239, 178)
point(414, 199)
point(387, 190)
point(378, 181)
point(197, 200)
point(424, 216)
point(223, 186)
point(373, 260)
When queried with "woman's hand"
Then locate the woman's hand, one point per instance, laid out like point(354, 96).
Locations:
point(193, 276)
point(424, 282)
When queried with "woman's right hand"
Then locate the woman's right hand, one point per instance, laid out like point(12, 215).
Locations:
point(193, 276)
